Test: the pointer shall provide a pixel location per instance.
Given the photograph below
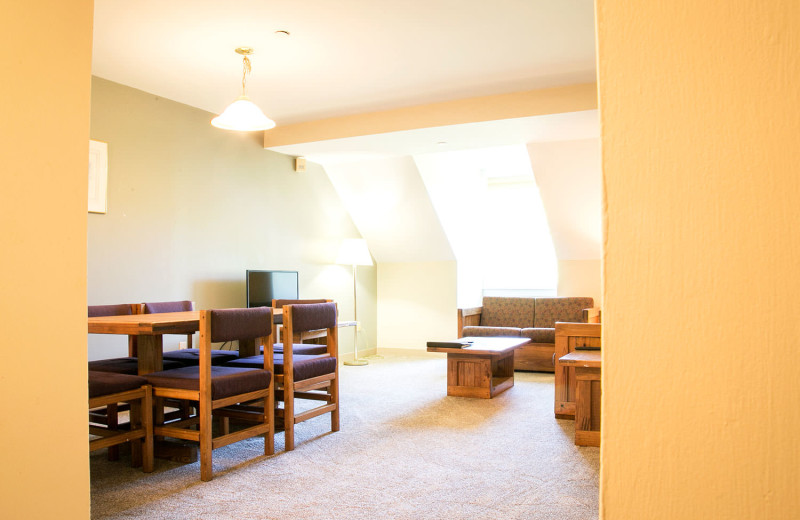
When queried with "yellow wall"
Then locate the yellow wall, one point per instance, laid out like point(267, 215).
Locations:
point(44, 144)
point(699, 106)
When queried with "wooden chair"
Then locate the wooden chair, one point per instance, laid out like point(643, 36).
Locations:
point(108, 415)
point(217, 389)
point(299, 338)
point(570, 336)
point(124, 365)
point(188, 356)
point(310, 377)
point(109, 388)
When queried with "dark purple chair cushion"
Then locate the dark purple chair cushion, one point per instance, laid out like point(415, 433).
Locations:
point(109, 310)
point(225, 381)
point(235, 324)
point(158, 307)
point(126, 365)
point(106, 383)
point(313, 316)
point(305, 367)
point(307, 349)
point(191, 356)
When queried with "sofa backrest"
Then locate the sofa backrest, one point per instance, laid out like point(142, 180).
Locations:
point(507, 312)
point(548, 311)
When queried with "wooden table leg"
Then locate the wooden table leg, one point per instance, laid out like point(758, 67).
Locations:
point(502, 373)
point(150, 350)
point(587, 406)
point(470, 375)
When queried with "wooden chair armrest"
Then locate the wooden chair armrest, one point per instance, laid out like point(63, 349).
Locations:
point(467, 317)
point(593, 315)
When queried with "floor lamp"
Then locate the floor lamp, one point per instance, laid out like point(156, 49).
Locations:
point(353, 251)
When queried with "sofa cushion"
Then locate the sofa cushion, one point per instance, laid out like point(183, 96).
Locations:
point(551, 310)
point(539, 335)
point(507, 312)
point(473, 330)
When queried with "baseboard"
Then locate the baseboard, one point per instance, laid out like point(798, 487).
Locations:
point(409, 353)
point(362, 353)
point(391, 352)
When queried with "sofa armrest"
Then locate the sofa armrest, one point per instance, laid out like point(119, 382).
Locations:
point(467, 317)
point(593, 315)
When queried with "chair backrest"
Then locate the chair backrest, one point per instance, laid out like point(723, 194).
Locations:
point(278, 304)
point(158, 307)
point(312, 316)
point(237, 324)
point(305, 317)
point(253, 325)
point(179, 306)
point(123, 309)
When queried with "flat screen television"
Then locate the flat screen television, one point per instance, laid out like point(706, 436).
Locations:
point(264, 286)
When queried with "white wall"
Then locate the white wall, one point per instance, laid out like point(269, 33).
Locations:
point(581, 278)
point(416, 303)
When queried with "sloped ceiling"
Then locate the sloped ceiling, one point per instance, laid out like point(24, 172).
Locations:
point(570, 182)
point(390, 206)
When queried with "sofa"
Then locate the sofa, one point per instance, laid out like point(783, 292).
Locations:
point(532, 318)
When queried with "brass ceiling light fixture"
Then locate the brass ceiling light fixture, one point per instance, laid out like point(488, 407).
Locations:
point(243, 114)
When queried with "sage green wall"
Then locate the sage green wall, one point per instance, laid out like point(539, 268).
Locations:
point(191, 207)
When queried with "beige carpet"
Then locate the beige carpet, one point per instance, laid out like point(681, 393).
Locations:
point(405, 451)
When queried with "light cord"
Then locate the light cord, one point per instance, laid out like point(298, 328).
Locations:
point(246, 71)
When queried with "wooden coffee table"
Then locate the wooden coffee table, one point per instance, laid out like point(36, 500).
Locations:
point(484, 369)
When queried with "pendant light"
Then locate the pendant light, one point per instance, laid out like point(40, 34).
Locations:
point(243, 114)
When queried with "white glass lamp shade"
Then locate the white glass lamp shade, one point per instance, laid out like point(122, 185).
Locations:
point(354, 251)
point(243, 115)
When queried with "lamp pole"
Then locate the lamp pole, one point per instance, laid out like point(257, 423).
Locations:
point(356, 361)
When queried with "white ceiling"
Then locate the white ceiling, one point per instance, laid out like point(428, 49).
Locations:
point(344, 56)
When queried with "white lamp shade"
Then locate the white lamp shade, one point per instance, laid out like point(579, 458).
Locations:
point(354, 251)
point(243, 115)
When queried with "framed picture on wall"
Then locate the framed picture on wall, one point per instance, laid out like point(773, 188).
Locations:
point(98, 176)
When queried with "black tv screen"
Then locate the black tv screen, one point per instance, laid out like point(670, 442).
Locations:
point(264, 286)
